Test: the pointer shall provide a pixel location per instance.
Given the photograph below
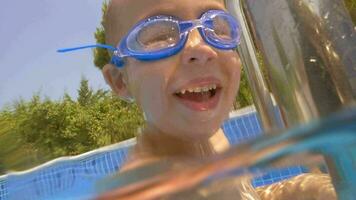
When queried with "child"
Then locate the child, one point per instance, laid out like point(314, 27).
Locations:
point(177, 60)
point(186, 96)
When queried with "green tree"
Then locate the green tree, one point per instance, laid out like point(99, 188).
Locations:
point(244, 97)
point(43, 129)
point(84, 93)
point(101, 56)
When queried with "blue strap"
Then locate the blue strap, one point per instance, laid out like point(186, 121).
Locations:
point(87, 46)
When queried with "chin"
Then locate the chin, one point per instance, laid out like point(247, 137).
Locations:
point(201, 132)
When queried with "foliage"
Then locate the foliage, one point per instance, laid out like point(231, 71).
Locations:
point(101, 56)
point(67, 126)
point(244, 97)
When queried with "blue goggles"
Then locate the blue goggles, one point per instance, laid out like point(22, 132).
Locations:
point(162, 36)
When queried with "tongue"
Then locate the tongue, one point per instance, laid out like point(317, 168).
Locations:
point(196, 96)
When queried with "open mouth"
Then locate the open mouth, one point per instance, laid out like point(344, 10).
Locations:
point(200, 98)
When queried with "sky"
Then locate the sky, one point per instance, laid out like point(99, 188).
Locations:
point(30, 34)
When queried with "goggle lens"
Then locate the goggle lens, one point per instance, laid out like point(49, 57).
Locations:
point(154, 36)
point(222, 28)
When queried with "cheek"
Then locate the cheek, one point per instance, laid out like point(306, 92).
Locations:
point(232, 71)
point(148, 84)
point(232, 68)
point(146, 88)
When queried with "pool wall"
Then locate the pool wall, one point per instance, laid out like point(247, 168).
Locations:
point(75, 177)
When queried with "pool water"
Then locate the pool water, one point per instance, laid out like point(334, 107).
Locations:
point(76, 177)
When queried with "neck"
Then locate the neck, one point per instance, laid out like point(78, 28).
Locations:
point(157, 144)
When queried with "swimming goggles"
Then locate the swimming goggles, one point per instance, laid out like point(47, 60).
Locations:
point(162, 36)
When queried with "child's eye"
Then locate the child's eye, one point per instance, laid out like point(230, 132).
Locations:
point(158, 36)
point(222, 28)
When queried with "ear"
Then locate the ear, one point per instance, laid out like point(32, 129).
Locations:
point(116, 80)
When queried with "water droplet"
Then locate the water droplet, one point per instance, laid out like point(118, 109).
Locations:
point(316, 30)
point(335, 55)
point(326, 16)
point(313, 60)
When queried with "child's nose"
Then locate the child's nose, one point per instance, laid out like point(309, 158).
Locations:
point(197, 51)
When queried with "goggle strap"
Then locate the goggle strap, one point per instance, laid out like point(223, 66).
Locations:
point(111, 48)
point(116, 60)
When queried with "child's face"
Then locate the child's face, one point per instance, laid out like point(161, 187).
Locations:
point(155, 84)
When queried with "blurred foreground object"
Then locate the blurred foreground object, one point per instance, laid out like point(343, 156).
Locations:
point(308, 48)
point(305, 186)
point(334, 138)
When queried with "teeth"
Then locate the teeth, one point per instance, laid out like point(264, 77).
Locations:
point(205, 89)
point(198, 89)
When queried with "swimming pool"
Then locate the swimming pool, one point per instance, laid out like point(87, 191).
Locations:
point(76, 177)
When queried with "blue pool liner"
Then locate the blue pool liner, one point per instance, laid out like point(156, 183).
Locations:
point(76, 177)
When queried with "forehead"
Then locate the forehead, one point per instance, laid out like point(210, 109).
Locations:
point(151, 7)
